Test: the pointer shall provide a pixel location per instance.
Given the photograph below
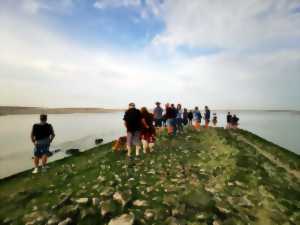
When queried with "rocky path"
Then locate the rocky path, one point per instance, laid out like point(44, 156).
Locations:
point(209, 177)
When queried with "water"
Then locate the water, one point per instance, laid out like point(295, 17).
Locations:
point(81, 130)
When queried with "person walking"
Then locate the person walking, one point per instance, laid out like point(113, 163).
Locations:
point(207, 116)
point(147, 131)
point(190, 118)
point(133, 119)
point(215, 119)
point(229, 120)
point(42, 135)
point(179, 118)
point(234, 122)
point(185, 117)
point(197, 118)
point(158, 116)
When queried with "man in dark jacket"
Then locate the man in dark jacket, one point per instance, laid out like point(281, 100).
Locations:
point(42, 135)
point(132, 119)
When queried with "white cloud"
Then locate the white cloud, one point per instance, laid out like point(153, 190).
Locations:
point(102, 4)
point(40, 66)
point(34, 6)
point(228, 24)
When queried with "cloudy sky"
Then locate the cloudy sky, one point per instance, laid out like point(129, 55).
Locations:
point(106, 53)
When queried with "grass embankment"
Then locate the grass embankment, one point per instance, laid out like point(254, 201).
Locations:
point(213, 176)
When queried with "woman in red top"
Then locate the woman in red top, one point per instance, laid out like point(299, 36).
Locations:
point(148, 130)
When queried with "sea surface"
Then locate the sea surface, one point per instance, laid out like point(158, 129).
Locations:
point(81, 130)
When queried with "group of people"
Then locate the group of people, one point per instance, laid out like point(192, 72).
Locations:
point(232, 121)
point(142, 127)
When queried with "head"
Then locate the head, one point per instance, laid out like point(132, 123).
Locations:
point(131, 105)
point(167, 105)
point(43, 118)
point(157, 104)
point(196, 108)
point(172, 106)
point(178, 106)
point(144, 110)
point(185, 109)
point(206, 107)
point(228, 113)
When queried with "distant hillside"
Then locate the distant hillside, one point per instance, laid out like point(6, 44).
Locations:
point(16, 110)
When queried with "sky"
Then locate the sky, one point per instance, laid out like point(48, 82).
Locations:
point(106, 53)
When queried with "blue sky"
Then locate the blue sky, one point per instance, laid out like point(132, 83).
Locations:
point(106, 53)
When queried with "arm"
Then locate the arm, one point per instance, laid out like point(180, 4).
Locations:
point(32, 136)
point(144, 123)
point(52, 135)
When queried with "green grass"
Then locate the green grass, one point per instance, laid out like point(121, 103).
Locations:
point(197, 178)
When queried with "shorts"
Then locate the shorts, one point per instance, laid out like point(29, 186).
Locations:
point(41, 148)
point(158, 122)
point(133, 138)
point(148, 136)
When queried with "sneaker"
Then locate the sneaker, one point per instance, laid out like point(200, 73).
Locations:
point(35, 171)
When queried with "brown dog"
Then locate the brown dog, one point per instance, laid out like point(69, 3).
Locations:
point(120, 144)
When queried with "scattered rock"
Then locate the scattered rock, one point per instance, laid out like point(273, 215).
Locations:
point(95, 202)
point(125, 219)
point(122, 198)
point(172, 221)
point(66, 221)
point(72, 151)
point(149, 214)
point(82, 201)
point(98, 141)
point(140, 203)
point(107, 207)
point(53, 220)
point(107, 192)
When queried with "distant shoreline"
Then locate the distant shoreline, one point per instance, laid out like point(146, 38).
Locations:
point(20, 110)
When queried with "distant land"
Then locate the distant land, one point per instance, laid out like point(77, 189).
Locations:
point(19, 110)
point(22, 110)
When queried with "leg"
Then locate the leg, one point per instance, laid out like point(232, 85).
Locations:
point(36, 161)
point(137, 150)
point(151, 146)
point(145, 145)
point(129, 143)
point(44, 160)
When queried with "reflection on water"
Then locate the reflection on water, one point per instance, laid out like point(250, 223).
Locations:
point(81, 130)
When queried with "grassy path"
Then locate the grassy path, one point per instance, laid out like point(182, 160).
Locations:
point(213, 176)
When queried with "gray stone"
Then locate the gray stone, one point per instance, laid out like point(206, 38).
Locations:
point(172, 221)
point(149, 214)
point(82, 201)
point(95, 202)
point(107, 192)
point(53, 220)
point(140, 203)
point(122, 198)
point(107, 207)
point(66, 221)
point(125, 219)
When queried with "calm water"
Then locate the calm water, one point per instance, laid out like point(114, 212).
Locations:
point(80, 131)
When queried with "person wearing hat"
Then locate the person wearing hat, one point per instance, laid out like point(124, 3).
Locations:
point(158, 116)
point(133, 124)
point(42, 135)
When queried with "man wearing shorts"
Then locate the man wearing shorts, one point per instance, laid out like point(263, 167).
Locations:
point(42, 135)
point(132, 119)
